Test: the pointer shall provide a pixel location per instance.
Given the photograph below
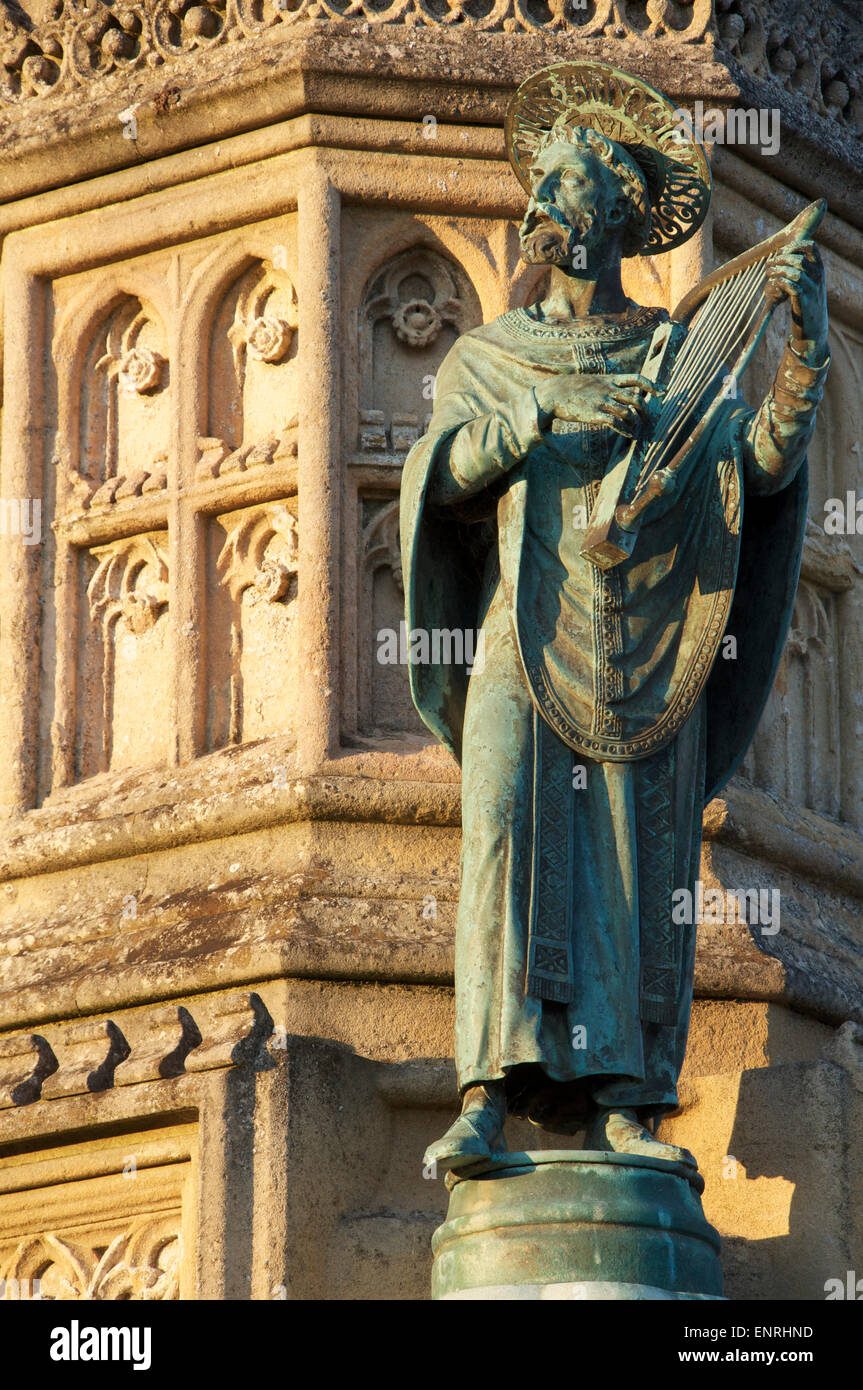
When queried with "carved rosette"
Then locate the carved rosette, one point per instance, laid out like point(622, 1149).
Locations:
point(257, 332)
point(268, 339)
point(417, 323)
point(418, 294)
point(139, 370)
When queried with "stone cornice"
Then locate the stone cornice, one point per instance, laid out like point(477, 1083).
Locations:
point(811, 48)
point(399, 63)
point(220, 797)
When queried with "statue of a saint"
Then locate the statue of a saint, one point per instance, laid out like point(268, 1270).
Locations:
point(601, 716)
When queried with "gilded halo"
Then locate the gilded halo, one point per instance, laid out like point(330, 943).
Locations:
point(634, 115)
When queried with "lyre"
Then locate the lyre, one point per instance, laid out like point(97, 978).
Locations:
point(719, 322)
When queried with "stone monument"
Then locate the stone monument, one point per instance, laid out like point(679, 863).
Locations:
point(597, 503)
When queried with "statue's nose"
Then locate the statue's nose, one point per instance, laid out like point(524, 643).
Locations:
point(537, 205)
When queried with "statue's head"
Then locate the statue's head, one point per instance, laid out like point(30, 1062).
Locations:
point(585, 191)
point(606, 165)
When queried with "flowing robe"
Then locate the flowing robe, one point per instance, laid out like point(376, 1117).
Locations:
point(596, 719)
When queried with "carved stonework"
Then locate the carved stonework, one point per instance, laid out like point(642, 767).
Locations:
point(412, 311)
point(809, 47)
point(416, 318)
point(127, 595)
point(385, 705)
point(417, 323)
point(382, 547)
point(812, 48)
point(121, 430)
point(217, 459)
point(141, 1264)
point(167, 1040)
point(243, 561)
point(139, 370)
point(130, 582)
point(798, 750)
point(828, 568)
point(92, 40)
point(252, 394)
point(251, 622)
point(268, 339)
point(264, 335)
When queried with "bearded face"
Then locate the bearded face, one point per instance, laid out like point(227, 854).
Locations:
point(575, 202)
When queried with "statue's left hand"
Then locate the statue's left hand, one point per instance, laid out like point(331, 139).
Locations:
point(797, 272)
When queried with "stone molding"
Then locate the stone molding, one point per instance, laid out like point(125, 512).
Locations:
point(86, 43)
point(812, 50)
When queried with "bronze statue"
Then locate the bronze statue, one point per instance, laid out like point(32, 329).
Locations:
point(594, 498)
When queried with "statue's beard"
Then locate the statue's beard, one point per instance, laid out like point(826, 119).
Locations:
point(547, 238)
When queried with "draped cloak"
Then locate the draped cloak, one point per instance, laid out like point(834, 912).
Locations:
point(617, 671)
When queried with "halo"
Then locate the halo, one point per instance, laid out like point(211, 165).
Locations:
point(634, 115)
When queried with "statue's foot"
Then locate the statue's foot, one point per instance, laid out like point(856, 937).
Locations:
point(620, 1132)
point(478, 1131)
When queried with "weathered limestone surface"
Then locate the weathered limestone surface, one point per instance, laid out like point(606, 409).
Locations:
point(235, 249)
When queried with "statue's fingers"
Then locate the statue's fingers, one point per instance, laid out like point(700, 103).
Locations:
point(629, 405)
point(619, 412)
point(789, 264)
point(636, 404)
point(805, 245)
point(634, 395)
point(619, 419)
point(780, 285)
point(635, 379)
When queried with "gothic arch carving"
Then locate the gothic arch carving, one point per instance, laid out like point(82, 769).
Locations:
point(254, 559)
point(250, 339)
point(113, 420)
point(414, 307)
point(127, 597)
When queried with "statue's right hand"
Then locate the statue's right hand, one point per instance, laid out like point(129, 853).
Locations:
point(619, 401)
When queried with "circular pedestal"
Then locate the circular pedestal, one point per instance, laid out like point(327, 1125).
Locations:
point(576, 1225)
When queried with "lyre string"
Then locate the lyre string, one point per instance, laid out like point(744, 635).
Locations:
point(724, 336)
point(691, 364)
point(703, 355)
point(666, 447)
point(702, 360)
